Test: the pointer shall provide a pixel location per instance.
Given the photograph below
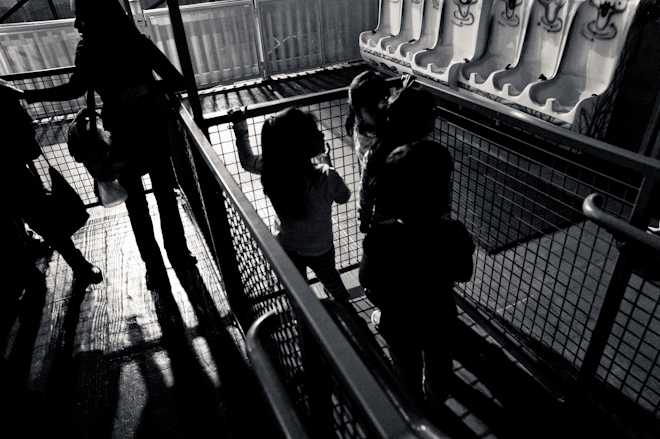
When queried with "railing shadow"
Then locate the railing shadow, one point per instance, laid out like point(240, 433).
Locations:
point(239, 387)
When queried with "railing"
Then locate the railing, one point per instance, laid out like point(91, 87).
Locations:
point(622, 230)
point(544, 273)
point(228, 41)
point(222, 39)
point(28, 47)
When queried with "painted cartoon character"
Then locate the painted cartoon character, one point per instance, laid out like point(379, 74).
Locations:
point(508, 17)
point(602, 27)
point(550, 20)
point(463, 16)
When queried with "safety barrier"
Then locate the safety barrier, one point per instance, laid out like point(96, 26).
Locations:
point(222, 39)
point(37, 46)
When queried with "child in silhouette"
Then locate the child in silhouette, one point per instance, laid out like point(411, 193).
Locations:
point(301, 189)
point(406, 117)
point(409, 265)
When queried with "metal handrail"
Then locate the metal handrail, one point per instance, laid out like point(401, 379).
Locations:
point(618, 227)
point(273, 386)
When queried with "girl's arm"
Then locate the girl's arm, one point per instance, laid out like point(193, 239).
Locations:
point(340, 188)
point(249, 161)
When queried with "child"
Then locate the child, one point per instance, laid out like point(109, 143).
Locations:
point(302, 191)
point(409, 265)
point(408, 116)
point(366, 93)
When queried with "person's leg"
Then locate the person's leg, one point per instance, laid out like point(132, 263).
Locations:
point(143, 229)
point(326, 271)
point(162, 181)
point(29, 207)
point(299, 261)
point(406, 352)
point(84, 272)
point(438, 366)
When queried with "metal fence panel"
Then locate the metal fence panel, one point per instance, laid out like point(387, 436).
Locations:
point(221, 36)
point(27, 47)
point(342, 23)
point(290, 35)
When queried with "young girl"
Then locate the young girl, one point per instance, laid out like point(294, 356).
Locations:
point(302, 191)
point(366, 94)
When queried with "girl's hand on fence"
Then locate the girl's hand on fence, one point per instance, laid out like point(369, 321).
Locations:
point(236, 114)
point(324, 157)
point(29, 97)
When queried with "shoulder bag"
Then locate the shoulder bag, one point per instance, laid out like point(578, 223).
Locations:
point(89, 143)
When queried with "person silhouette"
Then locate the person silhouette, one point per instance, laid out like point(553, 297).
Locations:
point(118, 63)
point(410, 262)
point(26, 201)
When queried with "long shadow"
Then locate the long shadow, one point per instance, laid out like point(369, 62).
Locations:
point(68, 379)
point(198, 401)
point(160, 415)
point(22, 406)
point(247, 413)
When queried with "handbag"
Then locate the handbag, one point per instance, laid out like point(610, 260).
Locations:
point(111, 193)
point(90, 144)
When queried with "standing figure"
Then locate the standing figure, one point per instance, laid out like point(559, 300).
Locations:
point(26, 200)
point(410, 263)
point(407, 116)
point(118, 63)
point(367, 93)
point(301, 190)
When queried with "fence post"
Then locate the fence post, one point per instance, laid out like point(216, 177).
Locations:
point(186, 63)
point(319, 23)
point(616, 289)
